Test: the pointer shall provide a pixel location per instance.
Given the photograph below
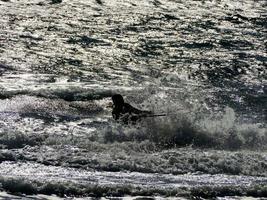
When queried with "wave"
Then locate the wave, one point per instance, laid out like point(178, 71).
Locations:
point(39, 179)
point(91, 144)
point(194, 128)
point(67, 94)
point(24, 186)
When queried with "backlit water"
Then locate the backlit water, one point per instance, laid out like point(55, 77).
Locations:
point(203, 63)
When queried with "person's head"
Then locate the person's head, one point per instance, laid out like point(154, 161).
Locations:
point(117, 100)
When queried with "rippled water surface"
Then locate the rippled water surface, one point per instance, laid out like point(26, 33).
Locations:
point(203, 63)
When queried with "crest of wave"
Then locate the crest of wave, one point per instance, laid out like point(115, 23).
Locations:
point(192, 127)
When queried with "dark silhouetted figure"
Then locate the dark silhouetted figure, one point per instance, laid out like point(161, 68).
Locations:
point(56, 1)
point(125, 112)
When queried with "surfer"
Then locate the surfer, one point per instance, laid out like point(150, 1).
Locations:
point(125, 112)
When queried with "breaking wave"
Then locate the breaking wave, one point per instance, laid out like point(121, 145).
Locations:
point(223, 130)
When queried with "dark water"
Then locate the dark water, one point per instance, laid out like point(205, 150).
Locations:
point(201, 62)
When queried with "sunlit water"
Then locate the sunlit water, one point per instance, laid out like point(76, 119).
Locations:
point(203, 63)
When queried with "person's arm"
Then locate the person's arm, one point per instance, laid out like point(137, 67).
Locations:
point(133, 110)
point(115, 114)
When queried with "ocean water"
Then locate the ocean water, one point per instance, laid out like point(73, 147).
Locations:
point(203, 63)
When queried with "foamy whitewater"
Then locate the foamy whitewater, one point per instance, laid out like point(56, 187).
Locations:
point(203, 63)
